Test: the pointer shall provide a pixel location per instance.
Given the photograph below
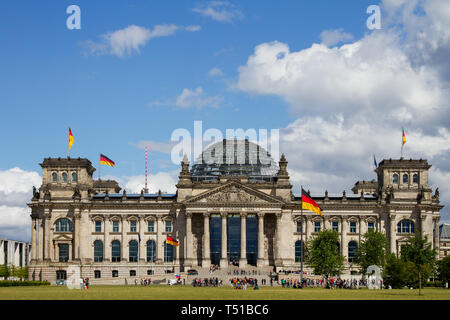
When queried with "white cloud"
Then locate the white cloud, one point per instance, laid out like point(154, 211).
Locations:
point(352, 100)
point(215, 72)
point(132, 38)
point(164, 181)
point(15, 192)
point(333, 37)
point(222, 11)
point(191, 98)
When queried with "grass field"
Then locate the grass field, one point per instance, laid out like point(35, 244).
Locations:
point(222, 293)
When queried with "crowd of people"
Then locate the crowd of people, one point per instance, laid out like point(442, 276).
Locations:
point(330, 283)
point(211, 282)
point(242, 283)
point(237, 272)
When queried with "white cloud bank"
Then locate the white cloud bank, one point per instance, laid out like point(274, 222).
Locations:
point(351, 101)
point(15, 191)
point(132, 38)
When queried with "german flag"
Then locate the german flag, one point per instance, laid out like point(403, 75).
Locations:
point(172, 241)
point(310, 204)
point(403, 137)
point(105, 160)
point(71, 139)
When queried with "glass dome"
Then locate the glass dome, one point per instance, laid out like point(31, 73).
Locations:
point(234, 158)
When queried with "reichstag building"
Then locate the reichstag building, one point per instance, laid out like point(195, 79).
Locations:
point(235, 211)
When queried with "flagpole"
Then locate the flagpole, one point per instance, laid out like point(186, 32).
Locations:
point(68, 149)
point(302, 247)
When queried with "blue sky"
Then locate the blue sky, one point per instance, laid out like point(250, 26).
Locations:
point(137, 70)
point(48, 82)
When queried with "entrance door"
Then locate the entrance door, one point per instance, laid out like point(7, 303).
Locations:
point(234, 239)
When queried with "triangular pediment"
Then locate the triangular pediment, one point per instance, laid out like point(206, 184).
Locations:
point(63, 237)
point(234, 192)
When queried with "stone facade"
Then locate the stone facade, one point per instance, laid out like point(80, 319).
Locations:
point(74, 216)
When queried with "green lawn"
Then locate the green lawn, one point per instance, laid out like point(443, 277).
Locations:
point(223, 293)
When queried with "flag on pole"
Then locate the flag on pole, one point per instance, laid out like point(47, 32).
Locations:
point(310, 204)
point(71, 139)
point(172, 241)
point(375, 162)
point(105, 160)
point(403, 137)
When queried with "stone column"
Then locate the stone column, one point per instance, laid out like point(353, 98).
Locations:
point(123, 242)
point(436, 235)
point(278, 261)
point(159, 241)
point(77, 217)
point(33, 239)
point(47, 238)
point(243, 258)
point(107, 241)
point(309, 226)
point(206, 254)
point(41, 239)
point(392, 234)
point(224, 257)
point(261, 260)
point(189, 240)
point(344, 242)
point(141, 243)
point(326, 223)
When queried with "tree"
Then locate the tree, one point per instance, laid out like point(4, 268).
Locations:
point(419, 251)
point(4, 272)
point(323, 253)
point(395, 272)
point(444, 269)
point(372, 250)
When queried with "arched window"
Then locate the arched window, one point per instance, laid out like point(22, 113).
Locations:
point(64, 177)
point(63, 225)
point(133, 251)
point(168, 252)
point(98, 251)
point(405, 178)
point(54, 177)
point(352, 247)
point(405, 226)
point(415, 178)
point(298, 250)
point(395, 178)
point(151, 251)
point(74, 177)
point(115, 251)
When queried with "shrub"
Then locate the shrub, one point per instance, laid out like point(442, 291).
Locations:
point(11, 283)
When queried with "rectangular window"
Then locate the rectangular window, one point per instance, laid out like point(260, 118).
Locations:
point(371, 226)
point(335, 226)
point(316, 226)
point(149, 272)
point(63, 252)
point(132, 273)
point(132, 226)
point(115, 273)
point(299, 226)
point(151, 226)
point(97, 274)
point(98, 226)
point(353, 227)
point(168, 226)
point(115, 226)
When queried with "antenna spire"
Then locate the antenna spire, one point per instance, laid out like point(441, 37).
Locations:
point(146, 188)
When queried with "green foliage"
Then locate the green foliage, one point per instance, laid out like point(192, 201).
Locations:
point(323, 253)
point(5, 272)
point(420, 253)
point(443, 267)
point(12, 283)
point(394, 272)
point(372, 250)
